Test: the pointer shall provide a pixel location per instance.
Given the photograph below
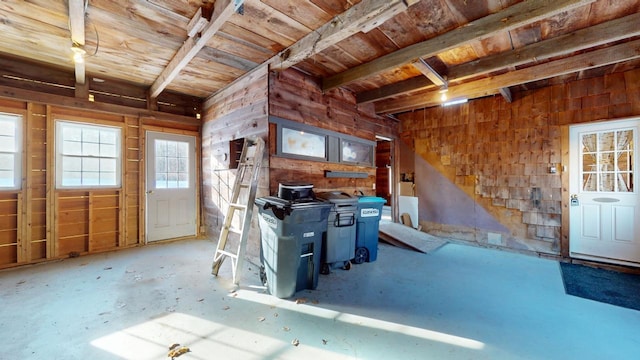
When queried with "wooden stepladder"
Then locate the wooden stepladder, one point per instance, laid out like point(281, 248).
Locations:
point(237, 221)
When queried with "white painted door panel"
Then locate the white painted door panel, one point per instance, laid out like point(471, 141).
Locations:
point(171, 186)
point(605, 214)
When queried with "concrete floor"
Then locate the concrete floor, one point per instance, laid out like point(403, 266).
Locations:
point(459, 302)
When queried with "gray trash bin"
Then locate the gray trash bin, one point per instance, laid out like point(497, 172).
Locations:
point(290, 243)
point(338, 244)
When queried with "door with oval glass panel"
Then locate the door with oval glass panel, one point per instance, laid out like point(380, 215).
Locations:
point(171, 186)
point(605, 203)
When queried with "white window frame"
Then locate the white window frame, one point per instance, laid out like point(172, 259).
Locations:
point(60, 156)
point(17, 151)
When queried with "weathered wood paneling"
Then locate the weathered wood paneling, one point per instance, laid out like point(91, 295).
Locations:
point(239, 113)
point(499, 154)
point(294, 96)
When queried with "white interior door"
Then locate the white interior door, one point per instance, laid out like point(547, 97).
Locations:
point(605, 203)
point(171, 186)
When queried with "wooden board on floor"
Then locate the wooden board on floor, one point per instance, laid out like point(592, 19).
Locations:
point(404, 236)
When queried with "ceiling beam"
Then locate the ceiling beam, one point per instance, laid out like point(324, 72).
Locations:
point(367, 13)
point(364, 16)
point(586, 38)
point(491, 85)
point(429, 72)
point(515, 16)
point(223, 10)
point(10, 92)
point(76, 27)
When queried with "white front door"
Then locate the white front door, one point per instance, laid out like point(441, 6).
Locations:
point(171, 186)
point(605, 203)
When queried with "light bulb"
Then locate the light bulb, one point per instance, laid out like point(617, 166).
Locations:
point(78, 53)
point(78, 58)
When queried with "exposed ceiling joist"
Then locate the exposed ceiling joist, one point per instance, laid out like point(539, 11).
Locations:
point(363, 16)
point(586, 38)
point(515, 16)
point(429, 72)
point(614, 54)
point(603, 33)
point(196, 24)
point(223, 10)
point(76, 27)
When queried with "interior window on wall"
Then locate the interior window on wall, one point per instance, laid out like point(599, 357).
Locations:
point(87, 155)
point(172, 164)
point(10, 151)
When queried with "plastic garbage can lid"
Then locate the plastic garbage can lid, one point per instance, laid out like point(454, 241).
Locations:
point(371, 199)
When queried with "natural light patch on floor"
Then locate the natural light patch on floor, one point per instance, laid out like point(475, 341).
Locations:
point(205, 340)
point(362, 321)
point(322, 334)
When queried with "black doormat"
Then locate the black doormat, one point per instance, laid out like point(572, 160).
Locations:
point(607, 286)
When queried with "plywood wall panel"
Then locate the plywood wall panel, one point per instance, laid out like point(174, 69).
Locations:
point(8, 236)
point(8, 221)
point(8, 255)
point(104, 241)
point(39, 249)
point(72, 245)
point(8, 204)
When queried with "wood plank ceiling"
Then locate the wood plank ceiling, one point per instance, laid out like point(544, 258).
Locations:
point(398, 54)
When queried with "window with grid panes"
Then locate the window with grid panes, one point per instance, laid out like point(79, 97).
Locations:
point(10, 151)
point(87, 155)
point(172, 164)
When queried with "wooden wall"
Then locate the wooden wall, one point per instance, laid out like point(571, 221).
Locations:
point(243, 110)
point(499, 155)
point(296, 97)
point(239, 112)
point(39, 222)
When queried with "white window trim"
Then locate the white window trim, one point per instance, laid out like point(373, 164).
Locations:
point(58, 149)
point(17, 162)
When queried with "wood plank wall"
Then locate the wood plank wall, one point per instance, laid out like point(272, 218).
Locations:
point(39, 222)
point(499, 154)
point(237, 113)
point(244, 111)
point(297, 97)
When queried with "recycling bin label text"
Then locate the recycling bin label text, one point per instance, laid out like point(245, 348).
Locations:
point(370, 212)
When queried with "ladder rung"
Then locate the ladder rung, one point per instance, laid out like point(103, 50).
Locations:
point(234, 230)
point(249, 165)
point(227, 253)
